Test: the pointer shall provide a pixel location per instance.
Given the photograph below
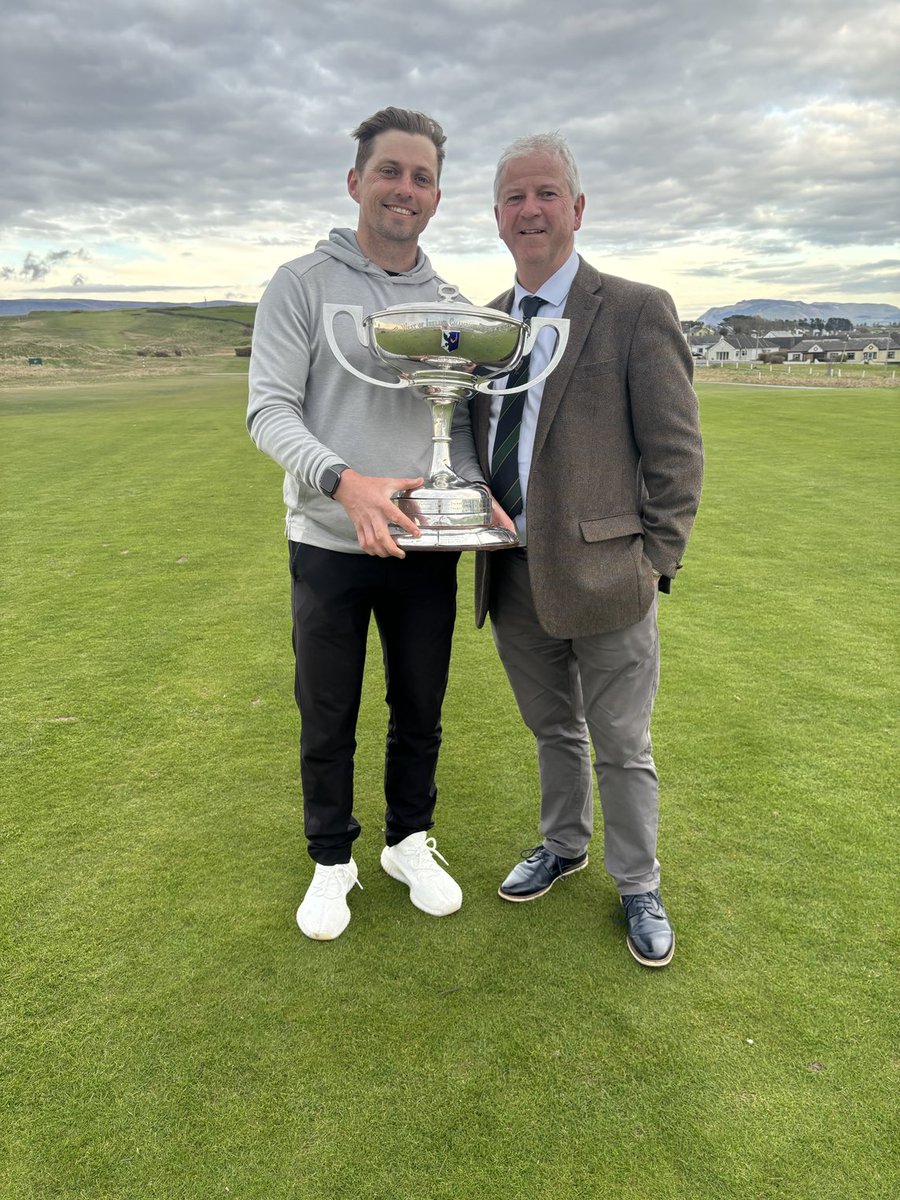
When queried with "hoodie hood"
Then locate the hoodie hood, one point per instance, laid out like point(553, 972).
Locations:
point(342, 245)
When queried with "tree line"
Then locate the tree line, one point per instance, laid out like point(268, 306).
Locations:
point(750, 326)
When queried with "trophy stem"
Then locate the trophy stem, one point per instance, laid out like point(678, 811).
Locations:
point(442, 474)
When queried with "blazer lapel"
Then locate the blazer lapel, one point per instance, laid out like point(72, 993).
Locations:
point(582, 305)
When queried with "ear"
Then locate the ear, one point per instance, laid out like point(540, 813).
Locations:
point(353, 184)
point(437, 200)
point(497, 218)
point(579, 210)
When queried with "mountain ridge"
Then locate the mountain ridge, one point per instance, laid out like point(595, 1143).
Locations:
point(865, 313)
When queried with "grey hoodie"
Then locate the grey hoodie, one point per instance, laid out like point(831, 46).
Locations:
point(308, 413)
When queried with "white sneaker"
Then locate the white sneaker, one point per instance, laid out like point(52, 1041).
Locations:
point(324, 913)
point(430, 887)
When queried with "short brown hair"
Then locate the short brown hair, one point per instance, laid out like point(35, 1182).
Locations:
point(406, 120)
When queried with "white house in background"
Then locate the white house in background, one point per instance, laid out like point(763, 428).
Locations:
point(818, 350)
point(738, 347)
point(780, 341)
point(878, 349)
point(854, 350)
point(699, 346)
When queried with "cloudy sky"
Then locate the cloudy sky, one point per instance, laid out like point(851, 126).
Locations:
point(181, 149)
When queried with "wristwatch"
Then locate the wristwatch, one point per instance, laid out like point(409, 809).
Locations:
point(330, 478)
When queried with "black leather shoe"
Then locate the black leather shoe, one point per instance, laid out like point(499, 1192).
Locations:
point(538, 873)
point(650, 937)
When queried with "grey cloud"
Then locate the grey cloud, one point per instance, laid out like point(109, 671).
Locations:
point(34, 269)
point(753, 125)
point(875, 278)
point(802, 281)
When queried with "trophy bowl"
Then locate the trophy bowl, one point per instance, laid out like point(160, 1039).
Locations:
point(417, 341)
point(448, 351)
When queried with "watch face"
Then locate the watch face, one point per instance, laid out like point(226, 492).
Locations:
point(330, 480)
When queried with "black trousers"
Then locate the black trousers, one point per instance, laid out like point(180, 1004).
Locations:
point(333, 597)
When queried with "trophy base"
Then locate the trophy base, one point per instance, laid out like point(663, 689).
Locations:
point(492, 538)
point(452, 515)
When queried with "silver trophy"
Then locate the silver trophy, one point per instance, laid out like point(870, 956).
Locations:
point(448, 350)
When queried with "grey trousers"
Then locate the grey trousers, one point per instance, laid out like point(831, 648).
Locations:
point(574, 692)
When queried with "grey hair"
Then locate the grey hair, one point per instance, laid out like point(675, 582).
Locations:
point(553, 144)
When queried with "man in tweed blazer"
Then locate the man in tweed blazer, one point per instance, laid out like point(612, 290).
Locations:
point(609, 462)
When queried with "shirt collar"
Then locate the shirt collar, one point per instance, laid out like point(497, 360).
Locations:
point(555, 289)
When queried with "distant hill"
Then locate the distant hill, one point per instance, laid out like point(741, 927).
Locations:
point(20, 308)
point(72, 345)
point(794, 310)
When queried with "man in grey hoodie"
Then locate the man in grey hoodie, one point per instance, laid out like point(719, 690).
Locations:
point(347, 447)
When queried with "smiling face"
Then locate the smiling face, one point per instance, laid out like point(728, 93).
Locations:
point(537, 216)
point(397, 193)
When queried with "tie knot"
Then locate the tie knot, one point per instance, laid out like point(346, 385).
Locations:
point(530, 306)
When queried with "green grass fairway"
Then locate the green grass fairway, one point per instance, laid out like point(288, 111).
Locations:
point(168, 1034)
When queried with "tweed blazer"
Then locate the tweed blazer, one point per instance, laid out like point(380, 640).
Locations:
point(617, 463)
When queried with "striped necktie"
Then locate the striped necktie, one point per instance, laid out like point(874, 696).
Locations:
point(505, 482)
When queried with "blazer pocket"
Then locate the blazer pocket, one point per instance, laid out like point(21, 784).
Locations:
point(601, 529)
point(588, 371)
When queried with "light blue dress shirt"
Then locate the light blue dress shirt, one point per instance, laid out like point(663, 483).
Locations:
point(555, 292)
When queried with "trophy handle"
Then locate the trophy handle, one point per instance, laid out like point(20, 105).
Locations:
point(561, 326)
point(329, 312)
